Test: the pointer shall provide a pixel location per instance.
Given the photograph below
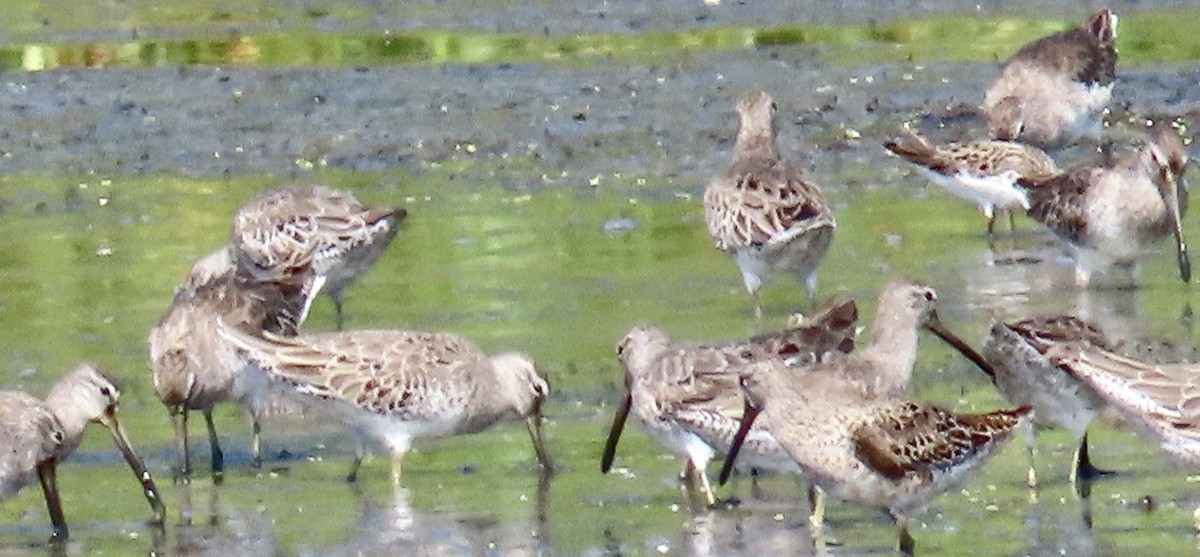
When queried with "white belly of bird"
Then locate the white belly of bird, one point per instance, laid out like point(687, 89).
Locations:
point(986, 192)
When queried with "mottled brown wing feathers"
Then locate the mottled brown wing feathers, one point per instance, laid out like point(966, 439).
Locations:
point(1059, 203)
point(708, 393)
point(832, 329)
point(913, 438)
point(1130, 384)
point(1046, 331)
point(755, 206)
point(917, 150)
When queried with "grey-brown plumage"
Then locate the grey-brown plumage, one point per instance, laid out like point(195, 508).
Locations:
point(292, 231)
point(984, 173)
point(1112, 214)
point(285, 245)
point(861, 445)
point(36, 436)
point(762, 212)
point(885, 363)
point(1023, 374)
point(398, 385)
point(686, 396)
point(1054, 90)
point(194, 368)
point(1162, 400)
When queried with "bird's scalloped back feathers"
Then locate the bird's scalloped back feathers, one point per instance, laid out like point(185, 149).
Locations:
point(1060, 202)
point(917, 150)
point(992, 158)
point(387, 372)
point(1044, 331)
point(833, 328)
point(764, 209)
point(914, 438)
point(289, 231)
point(1133, 385)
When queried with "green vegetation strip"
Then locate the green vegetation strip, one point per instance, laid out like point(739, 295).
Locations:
point(1146, 37)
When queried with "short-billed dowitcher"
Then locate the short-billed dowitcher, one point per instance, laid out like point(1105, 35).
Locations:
point(398, 385)
point(194, 368)
point(1111, 215)
point(885, 364)
point(762, 212)
point(1054, 90)
point(1160, 399)
point(686, 396)
point(298, 229)
point(36, 436)
point(982, 172)
point(1017, 352)
point(878, 450)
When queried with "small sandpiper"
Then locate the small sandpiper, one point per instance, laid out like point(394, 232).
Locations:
point(984, 173)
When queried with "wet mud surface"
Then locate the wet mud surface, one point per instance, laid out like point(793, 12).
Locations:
point(555, 127)
point(569, 123)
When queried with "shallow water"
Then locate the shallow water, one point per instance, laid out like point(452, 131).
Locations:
point(549, 217)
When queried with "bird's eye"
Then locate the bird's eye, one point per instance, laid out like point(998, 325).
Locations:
point(106, 391)
point(774, 106)
point(930, 296)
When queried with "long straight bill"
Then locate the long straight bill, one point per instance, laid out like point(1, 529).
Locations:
point(749, 413)
point(614, 435)
point(135, 463)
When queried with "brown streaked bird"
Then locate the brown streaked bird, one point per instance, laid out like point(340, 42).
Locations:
point(194, 368)
point(884, 451)
point(686, 396)
point(295, 230)
point(984, 173)
point(885, 364)
point(1111, 215)
point(1163, 400)
point(1023, 374)
point(399, 385)
point(762, 212)
point(36, 436)
point(884, 367)
point(1053, 91)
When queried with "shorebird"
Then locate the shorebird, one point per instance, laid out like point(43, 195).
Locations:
point(762, 212)
point(1112, 214)
point(860, 445)
point(194, 368)
point(1023, 374)
point(984, 173)
point(398, 385)
point(686, 396)
point(1054, 90)
point(300, 229)
point(1159, 399)
point(885, 364)
point(36, 436)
